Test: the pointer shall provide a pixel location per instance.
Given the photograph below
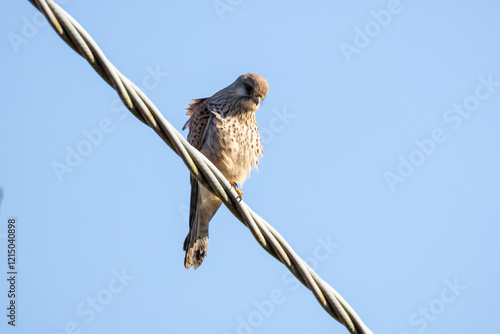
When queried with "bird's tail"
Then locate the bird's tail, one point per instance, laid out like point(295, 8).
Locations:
point(195, 245)
point(201, 212)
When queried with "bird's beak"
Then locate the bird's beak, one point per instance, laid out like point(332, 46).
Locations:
point(257, 100)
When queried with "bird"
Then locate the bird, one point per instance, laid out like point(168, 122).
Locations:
point(222, 127)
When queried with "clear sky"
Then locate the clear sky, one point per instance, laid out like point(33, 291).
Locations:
point(381, 167)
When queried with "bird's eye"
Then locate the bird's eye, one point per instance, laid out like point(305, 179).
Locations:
point(249, 89)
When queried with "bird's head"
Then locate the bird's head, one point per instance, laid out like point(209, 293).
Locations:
point(251, 88)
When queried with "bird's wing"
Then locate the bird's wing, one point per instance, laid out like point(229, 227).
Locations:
point(197, 123)
point(203, 204)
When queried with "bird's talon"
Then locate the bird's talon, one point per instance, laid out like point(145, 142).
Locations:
point(239, 192)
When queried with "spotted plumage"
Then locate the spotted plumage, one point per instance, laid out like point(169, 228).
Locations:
point(223, 127)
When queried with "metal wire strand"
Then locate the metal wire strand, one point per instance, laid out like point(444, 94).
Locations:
point(199, 166)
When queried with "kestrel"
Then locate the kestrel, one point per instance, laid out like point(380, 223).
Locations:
point(222, 127)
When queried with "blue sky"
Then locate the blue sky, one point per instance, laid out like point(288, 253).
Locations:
point(380, 167)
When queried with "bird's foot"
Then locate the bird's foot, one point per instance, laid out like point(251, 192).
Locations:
point(239, 192)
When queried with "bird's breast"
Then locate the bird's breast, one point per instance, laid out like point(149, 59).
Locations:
point(238, 145)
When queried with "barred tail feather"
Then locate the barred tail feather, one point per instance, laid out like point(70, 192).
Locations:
point(204, 205)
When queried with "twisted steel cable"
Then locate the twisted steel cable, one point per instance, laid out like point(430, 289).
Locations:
point(200, 167)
